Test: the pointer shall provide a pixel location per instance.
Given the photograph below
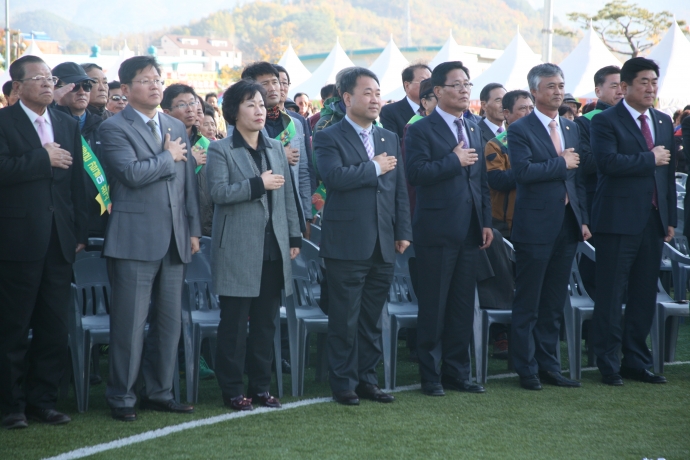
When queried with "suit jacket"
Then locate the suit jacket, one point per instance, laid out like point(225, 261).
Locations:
point(487, 134)
point(32, 193)
point(360, 207)
point(239, 222)
point(395, 116)
point(446, 191)
point(542, 181)
point(628, 171)
point(588, 163)
point(154, 198)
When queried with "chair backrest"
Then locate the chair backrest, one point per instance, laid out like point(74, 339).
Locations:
point(401, 289)
point(511, 249)
point(198, 287)
point(680, 242)
point(312, 260)
point(205, 245)
point(315, 234)
point(402, 262)
point(681, 178)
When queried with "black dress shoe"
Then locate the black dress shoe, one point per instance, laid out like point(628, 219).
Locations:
point(557, 379)
point(373, 392)
point(614, 380)
point(461, 385)
point(123, 414)
point(642, 375)
point(47, 416)
point(432, 389)
point(166, 406)
point(266, 400)
point(347, 397)
point(14, 421)
point(530, 382)
point(239, 403)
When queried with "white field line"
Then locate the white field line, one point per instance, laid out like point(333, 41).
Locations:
point(159, 433)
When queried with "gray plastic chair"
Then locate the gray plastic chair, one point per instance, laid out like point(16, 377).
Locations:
point(315, 234)
point(310, 252)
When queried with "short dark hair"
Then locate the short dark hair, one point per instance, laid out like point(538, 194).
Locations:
point(636, 65)
point(684, 115)
point(89, 66)
point(601, 74)
point(300, 94)
point(172, 91)
point(441, 71)
point(130, 67)
point(209, 95)
point(113, 85)
point(17, 71)
point(588, 107)
point(257, 69)
point(486, 91)
point(349, 79)
point(237, 94)
point(280, 68)
point(511, 97)
point(328, 91)
point(565, 109)
point(7, 88)
point(208, 111)
point(408, 72)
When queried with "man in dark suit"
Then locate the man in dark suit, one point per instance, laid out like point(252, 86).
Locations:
point(366, 220)
point(395, 116)
point(550, 218)
point(491, 98)
point(42, 222)
point(633, 213)
point(153, 231)
point(452, 222)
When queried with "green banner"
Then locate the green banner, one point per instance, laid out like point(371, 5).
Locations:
point(203, 144)
point(318, 199)
point(288, 133)
point(589, 115)
point(93, 168)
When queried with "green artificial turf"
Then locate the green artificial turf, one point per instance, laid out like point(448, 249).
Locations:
point(593, 422)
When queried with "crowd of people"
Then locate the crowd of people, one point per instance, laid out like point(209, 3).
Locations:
point(152, 168)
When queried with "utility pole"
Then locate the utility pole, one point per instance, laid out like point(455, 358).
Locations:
point(547, 31)
point(409, 26)
point(7, 35)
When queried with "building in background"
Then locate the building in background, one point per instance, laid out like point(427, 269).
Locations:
point(216, 52)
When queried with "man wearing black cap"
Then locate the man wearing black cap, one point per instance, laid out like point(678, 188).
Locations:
point(75, 103)
point(573, 103)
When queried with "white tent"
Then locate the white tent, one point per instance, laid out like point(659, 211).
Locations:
point(112, 72)
point(33, 50)
point(336, 61)
point(451, 51)
point(388, 67)
point(298, 73)
point(583, 62)
point(672, 54)
point(510, 69)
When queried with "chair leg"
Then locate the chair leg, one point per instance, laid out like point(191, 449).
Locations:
point(301, 362)
point(574, 340)
point(672, 324)
point(277, 353)
point(293, 336)
point(658, 337)
point(386, 345)
point(395, 330)
point(576, 360)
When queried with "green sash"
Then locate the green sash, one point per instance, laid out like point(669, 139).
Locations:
point(288, 133)
point(415, 119)
point(589, 115)
point(202, 143)
point(503, 138)
point(93, 168)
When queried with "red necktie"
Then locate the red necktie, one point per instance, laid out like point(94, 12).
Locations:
point(647, 134)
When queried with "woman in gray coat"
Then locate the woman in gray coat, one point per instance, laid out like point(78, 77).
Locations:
point(255, 234)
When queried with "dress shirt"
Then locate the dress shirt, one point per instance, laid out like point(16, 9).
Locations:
point(545, 120)
point(147, 119)
point(635, 114)
point(450, 121)
point(368, 130)
point(33, 116)
point(491, 126)
point(413, 104)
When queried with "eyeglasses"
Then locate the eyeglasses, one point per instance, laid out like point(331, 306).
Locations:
point(42, 79)
point(458, 86)
point(85, 85)
point(430, 96)
point(284, 83)
point(184, 105)
point(118, 98)
point(149, 82)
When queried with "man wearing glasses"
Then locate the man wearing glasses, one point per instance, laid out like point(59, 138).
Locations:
point(42, 225)
point(116, 100)
point(395, 116)
point(451, 224)
point(74, 103)
point(153, 231)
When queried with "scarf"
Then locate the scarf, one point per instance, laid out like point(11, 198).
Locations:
point(273, 113)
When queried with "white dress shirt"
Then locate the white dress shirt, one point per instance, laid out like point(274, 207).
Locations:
point(413, 104)
point(147, 119)
point(33, 116)
point(491, 126)
point(634, 113)
point(368, 130)
point(450, 121)
point(545, 120)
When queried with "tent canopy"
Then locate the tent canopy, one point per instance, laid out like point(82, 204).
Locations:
point(671, 54)
point(298, 73)
point(388, 67)
point(583, 62)
point(336, 61)
point(125, 53)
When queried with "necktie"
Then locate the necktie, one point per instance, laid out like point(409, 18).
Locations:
point(647, 134)
point(154, 130)
point(556, 139)
point(367, 144)
point(500, 129)
point(42, 130)
point(459, 122)
point(421, 111)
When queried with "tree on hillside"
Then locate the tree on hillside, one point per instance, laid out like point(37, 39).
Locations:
point(624, 28)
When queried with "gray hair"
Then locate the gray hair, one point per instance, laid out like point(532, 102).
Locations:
point(540, 71)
